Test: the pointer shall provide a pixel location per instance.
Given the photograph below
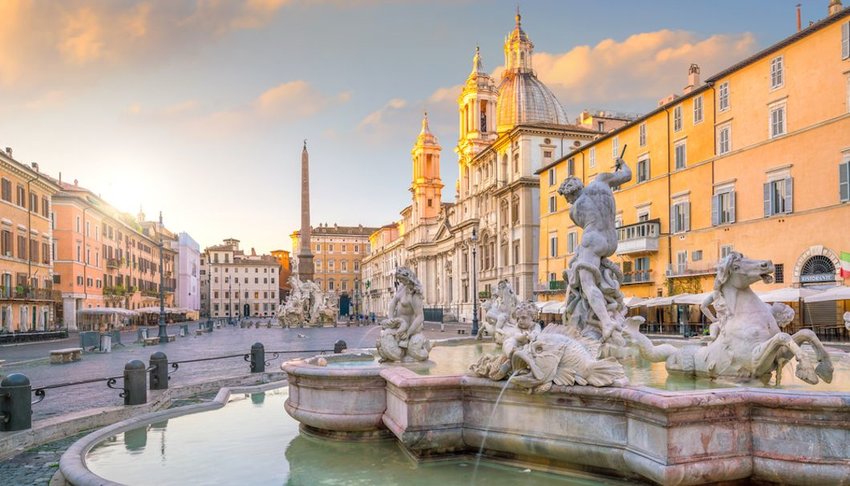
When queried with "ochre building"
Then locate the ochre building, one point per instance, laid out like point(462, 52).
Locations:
point(756, 159)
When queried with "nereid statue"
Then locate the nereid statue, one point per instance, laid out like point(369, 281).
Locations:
point(499, 313)
point(749, 343)
point(401, 333)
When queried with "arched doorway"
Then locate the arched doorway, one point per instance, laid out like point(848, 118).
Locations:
point(817, 269)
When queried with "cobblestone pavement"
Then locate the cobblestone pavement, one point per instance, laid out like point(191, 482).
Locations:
point(37, 465)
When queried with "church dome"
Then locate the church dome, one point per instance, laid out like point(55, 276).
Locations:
point(525, 99)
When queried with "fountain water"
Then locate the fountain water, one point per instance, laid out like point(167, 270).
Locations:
point(487, 430)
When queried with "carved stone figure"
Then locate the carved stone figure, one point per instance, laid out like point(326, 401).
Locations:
point(401, 333)
point(847, 320)
point(307, 304)
point(750, 344)
point(499, 311)
point(536, 360)
point(594, 303)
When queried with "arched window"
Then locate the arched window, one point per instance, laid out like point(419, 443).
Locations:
point(818, 268)
point(504, 212)
point(515, 209)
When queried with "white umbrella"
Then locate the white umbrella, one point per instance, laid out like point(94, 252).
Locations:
point(835, 293)
point(787, 294)
point(658, 301)
point(540, 304)
point(694, 299)
point(633, 301)
point(553, 307)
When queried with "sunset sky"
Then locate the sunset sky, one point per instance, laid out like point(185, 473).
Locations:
point(199, 108)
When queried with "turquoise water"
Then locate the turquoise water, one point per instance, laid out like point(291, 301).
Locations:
point(253, 441)
point(443, 360)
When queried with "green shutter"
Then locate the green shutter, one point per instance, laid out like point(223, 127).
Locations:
point(844, 181)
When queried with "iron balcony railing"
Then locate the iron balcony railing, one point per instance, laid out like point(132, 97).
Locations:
point(640, 276)
point(23, 293)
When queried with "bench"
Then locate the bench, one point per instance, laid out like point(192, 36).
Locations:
point(149, 341)
point(66, 355)
point(199, 332)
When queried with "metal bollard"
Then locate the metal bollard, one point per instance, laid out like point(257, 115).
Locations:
point(135, 388)
point(159, 371)
point(15, 403)
point(340, 346)
point(258, 358)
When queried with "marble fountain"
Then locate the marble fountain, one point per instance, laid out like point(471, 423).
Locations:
point(588, 401)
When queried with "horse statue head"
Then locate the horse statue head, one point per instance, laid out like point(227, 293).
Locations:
point(739, 272)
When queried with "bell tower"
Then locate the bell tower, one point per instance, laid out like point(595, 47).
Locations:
point(477, 104)
point(518, 49)
point(426, 186)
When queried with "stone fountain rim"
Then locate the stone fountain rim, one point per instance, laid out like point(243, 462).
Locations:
point(72, 464)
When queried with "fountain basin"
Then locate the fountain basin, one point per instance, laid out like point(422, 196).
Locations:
point(667, 437)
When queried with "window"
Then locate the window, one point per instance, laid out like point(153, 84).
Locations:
point(553, 245)
point(844, 179)
point(779, 197)
point(776, 73)
point(45, 207)
point(723, 207)
point(572, 242)
point(642, 170)
point(591, 157)
point(553, 204)
point(615, 147)
point(779, 273)
point(681, 154)
point(724, 139)
point(6, 192)
point(344, 265)
point(22, 247)
point(600, 125)
point(516, 252)
point(571, 162)
point(725, 250)
point(330, 265)
point(547, 156)
point(6, 243)
point(681, 262)
point(697, 109)
point(552, 176)
point(642, 135)
point(723, 96)
point(680, 217)
point(330, 248)
point(33, 202)
point(845, 40)
point(677, 118)
point(696, 255)
point(777, 120)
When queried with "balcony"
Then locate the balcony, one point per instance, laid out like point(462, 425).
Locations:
point(638, 277)
point(638, 238)
point(26, 294)
point(113, 263)
point(551, 287)
point(686, 271)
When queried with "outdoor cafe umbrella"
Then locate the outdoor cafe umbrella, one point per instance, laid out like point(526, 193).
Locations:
point(835, 293)
point(787, 294)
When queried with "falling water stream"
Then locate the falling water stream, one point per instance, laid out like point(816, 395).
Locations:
point(360, 343)
point(487, 429)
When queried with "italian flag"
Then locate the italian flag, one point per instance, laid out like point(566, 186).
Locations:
point(845, 264)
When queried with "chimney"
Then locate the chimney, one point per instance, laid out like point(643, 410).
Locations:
point(834, 7)
point(60, 178)
point(9, 152)
point(693, 78)
point(799, 18)
point(35, 166)
point(76, 182)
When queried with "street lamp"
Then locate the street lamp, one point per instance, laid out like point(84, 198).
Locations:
point(474, 240)
point(163, 334)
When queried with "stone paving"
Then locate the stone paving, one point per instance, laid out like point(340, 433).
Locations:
point(37, 465)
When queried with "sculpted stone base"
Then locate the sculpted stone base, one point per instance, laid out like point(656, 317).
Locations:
point(665, 437)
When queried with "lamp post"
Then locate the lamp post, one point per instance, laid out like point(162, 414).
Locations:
point(230, 304)
point(163, 335)
point(474, 240)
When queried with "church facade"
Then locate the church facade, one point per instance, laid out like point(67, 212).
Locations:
point(506, 134)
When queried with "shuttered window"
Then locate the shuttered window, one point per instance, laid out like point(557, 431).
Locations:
point(723, 208)
point(779, 197)
point(845, 40)
point(680, 217)
point(844, 180)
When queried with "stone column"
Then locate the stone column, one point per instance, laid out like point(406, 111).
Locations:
point(305, 254)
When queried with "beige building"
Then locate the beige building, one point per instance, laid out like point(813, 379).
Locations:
point(379, 266)
point(234, 284)
point(338, 252)
point(27, 298)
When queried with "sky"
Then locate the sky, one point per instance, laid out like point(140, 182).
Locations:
point(199, 108)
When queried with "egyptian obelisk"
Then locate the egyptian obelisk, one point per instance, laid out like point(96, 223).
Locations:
point(305, 253)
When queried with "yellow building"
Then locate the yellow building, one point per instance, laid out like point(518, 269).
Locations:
point(27, 298)
point(756, 160)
